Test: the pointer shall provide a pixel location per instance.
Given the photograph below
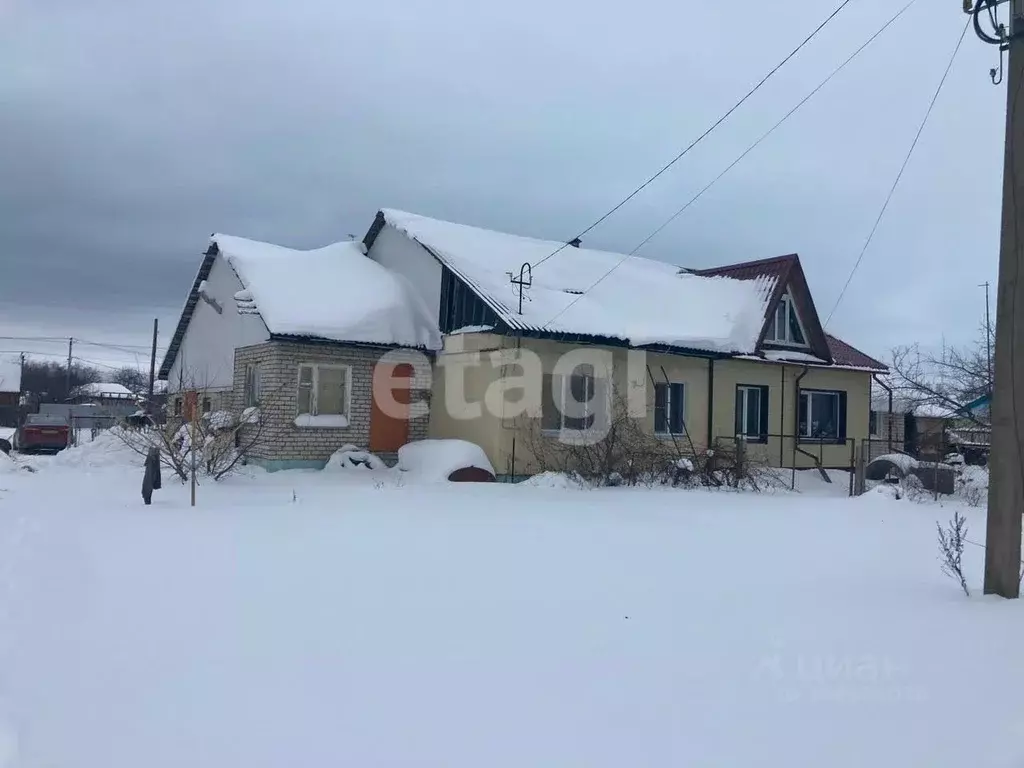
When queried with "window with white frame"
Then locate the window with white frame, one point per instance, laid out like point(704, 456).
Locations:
point(786, 327)
point(252, 385)
point(822, 415)
point(569, 402)
point(752, 412)
point(324, 394)
point(669, 408)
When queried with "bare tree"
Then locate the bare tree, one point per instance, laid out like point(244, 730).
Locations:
point(48, 382)
point(218, 440)
point(131, 379)
point(951, 379)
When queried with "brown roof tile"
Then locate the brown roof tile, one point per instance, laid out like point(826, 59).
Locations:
point(777, 267)
point(844, 354)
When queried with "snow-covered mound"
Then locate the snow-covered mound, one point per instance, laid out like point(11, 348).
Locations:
point(7, 464)
point(558, 480)
point(435, 460)
point(351, 457)
point(110, 448)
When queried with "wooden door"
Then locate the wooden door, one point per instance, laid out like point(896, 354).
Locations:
point(389, 410)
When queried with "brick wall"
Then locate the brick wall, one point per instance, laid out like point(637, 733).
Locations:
point(279, 439)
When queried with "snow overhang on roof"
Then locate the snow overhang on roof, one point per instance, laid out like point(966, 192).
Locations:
point(629, 298)
point(334, 293)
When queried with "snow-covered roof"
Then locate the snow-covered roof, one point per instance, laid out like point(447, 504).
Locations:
point(10, 374)
point(104, 389)
point(642, 302)
point(934, 410)
point(334, 293)
point(793, 356)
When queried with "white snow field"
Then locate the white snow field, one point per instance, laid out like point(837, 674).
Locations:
point(352, 618)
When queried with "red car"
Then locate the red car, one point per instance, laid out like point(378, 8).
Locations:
point(42, 433)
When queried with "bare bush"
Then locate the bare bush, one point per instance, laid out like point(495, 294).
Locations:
point(215, 444)
point(629, 455)
point(951, 549)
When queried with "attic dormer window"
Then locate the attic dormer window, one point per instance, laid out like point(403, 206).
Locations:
point(786, 327)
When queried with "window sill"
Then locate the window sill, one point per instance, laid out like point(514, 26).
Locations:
point(322, 422)
point(754, 440)
point(669, 435)
point(821, 441)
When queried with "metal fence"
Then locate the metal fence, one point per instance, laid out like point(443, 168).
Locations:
point(85, 429)
point(788, 453)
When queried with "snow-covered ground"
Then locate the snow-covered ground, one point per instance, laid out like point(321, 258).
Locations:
point(352, 618)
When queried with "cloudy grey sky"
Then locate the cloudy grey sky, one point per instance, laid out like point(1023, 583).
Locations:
point(132, 129)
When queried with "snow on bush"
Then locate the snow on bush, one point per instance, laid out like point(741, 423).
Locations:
point(972, 485)
point(559, 480)
point(435, 460)
point(219, 420)
point(350, 457)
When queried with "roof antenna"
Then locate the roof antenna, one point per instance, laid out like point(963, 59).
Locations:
point(525, 281)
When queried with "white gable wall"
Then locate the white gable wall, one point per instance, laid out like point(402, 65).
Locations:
point(10, 374)
point(398, 253)
point(206, 359)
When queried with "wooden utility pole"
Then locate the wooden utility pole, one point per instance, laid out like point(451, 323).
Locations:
point(67, 374)
point(988, 337)
point(1006, 486)
point(152, 367)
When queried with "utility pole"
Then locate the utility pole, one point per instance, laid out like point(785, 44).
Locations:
point(988, 338)
point(67, 377)
point(152, 366)
point(1006, 486)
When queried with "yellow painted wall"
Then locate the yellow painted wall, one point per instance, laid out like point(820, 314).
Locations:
point(496, 434)
point(782, 382)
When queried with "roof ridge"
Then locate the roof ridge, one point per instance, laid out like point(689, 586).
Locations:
point(789, 257)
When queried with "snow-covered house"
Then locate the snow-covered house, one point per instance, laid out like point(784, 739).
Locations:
point(103, 392)
point(10, 381)
point(726, 351)
point(293, 339)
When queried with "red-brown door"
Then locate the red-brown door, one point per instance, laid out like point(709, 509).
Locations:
point(389, 411)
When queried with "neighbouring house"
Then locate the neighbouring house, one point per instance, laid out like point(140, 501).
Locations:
point(104, 393)
point(10, 391)
point(98, 405)
point(10, 381)
point(293, 344)
point(929, 430)
point(715, 353)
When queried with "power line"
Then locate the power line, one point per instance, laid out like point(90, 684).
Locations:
point(704, 135)
point(746, 152)
point(119, 347)
point(63, 356)
point(772, 130)
point(906, 162)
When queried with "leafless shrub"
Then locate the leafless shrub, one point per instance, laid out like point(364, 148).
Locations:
point(629, 455)
point(216, 443)
point(951, 549)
